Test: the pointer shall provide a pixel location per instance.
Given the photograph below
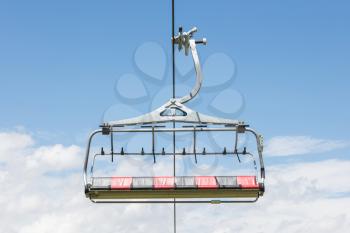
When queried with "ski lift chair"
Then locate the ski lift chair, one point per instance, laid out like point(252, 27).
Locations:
point(176, 189)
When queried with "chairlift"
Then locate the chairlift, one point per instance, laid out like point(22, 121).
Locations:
point(176, 189)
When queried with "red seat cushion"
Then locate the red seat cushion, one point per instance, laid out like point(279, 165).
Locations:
point(206, 182)
point(121, 182)
point(164, 182)
point(247, 182)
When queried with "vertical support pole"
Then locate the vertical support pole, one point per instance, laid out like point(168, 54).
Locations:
point(236, 144)
point(112, 146)
point(173, 43)
point(153, 145)
point(174, 171)
point(173, 72)
point(194, 144)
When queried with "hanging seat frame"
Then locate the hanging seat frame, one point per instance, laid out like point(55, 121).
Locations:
point(174, 111)
point(113, 196)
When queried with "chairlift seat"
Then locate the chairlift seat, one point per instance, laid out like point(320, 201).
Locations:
point(184, 120)
point(121, 183)
point(206, 182)
point(164, 182)
point(174, 187)
point(248, 182)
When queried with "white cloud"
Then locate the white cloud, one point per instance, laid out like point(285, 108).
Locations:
point(299, 145)
point(56, 157)
point(12, 143)
point(327, 177)
point(298, 199)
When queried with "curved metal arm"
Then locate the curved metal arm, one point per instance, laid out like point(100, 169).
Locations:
point(199, 78)
point(183, 40)
point(260, 146)
point(88, 153)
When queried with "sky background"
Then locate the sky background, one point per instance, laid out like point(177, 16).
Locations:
point(62, 66)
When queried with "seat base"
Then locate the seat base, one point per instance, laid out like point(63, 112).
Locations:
point(174, 187)
point(173, 193)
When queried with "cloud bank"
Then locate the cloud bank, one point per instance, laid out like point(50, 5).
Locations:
point(299, 145)
point(304, 197)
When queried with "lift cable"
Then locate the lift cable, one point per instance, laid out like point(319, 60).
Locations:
point(173, 42)
point(173, 71)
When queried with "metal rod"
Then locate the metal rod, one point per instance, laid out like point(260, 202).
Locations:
point(177, 153)
point(175, 214)
point(87, 153)
point(153, 145)
point(173, 63)
point(173, 42)
point(112, 147)
point(174, 172)
point(146, 130)
point(260, 150)
point(183, 153)
point(236, 144)
point(176, 202)
point(194, 144)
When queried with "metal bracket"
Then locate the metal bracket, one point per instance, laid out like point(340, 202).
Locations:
point(106, 129)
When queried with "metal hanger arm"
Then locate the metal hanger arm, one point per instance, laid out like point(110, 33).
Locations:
point(184, 41)
point(199, 78)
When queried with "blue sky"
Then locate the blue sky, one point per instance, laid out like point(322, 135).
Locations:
point(61, 63)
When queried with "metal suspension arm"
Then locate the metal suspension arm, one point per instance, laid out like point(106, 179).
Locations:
point(184, 41)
